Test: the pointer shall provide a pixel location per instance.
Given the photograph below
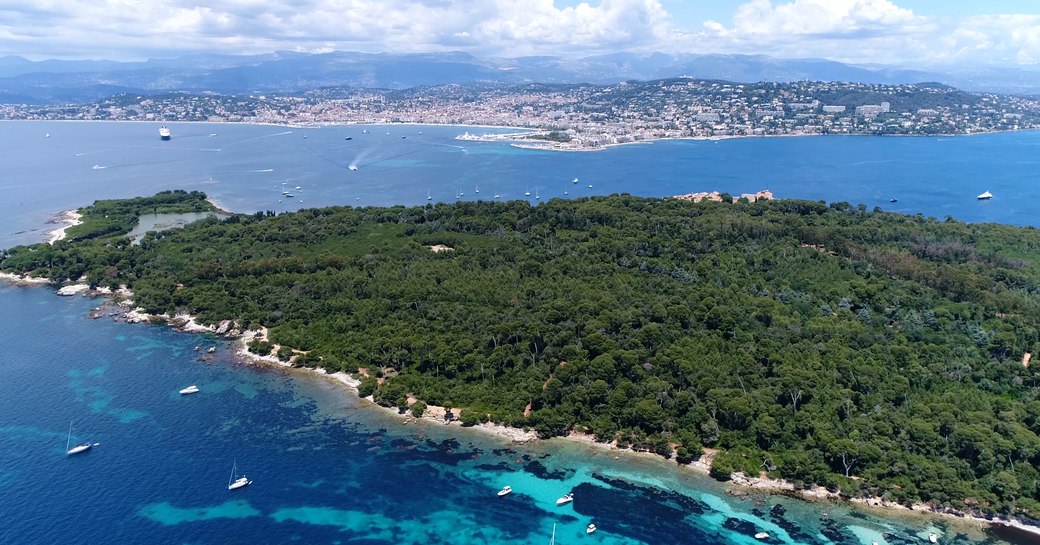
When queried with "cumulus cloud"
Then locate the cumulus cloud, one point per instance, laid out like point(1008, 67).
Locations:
point(852, 29)
point(880, 31)
point(801, 18)
point(141, 28)
point(869, 31)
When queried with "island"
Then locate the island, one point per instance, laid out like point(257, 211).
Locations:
point(880, 356)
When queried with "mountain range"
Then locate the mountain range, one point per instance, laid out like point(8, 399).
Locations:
point(63, 81)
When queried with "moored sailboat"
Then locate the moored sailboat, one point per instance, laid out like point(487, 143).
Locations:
point(233, 483)
point(82, 447)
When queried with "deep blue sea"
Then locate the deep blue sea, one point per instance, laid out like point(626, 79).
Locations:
point(47, 167)
point(328, 468)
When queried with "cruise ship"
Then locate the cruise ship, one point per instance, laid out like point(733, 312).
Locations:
point(164, 133)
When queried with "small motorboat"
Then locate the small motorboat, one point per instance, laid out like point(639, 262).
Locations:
point(505, 490)
point(985, 196)
point(565, 499)
point(932, 537)
point(591, 528)
point(213, 349)
point(190, 390)
point(762, 535)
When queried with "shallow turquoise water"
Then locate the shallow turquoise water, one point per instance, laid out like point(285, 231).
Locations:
point(326, 467)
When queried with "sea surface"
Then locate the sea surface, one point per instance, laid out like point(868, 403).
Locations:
point(329, 468)
point(326, 467)
point(48, 167)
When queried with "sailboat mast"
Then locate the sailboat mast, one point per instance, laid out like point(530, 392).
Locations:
point(68, 441)
point(233, 468)
point(552, 541)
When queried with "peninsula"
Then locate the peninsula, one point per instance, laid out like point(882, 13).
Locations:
point(590, 117)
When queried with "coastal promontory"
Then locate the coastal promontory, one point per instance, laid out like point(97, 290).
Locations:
point(876, 354)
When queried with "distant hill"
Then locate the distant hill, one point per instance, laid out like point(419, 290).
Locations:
point(57, 81)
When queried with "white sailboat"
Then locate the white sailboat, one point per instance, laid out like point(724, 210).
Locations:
point(233, 483)
point(428, 196)
point(82, 447)
point(985, 196)
point(476, 188)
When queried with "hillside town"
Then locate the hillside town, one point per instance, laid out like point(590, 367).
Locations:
point(575, 117)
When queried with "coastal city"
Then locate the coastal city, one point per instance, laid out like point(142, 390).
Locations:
point(580, 116)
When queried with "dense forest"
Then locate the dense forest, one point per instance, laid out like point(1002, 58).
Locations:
point(876, 353)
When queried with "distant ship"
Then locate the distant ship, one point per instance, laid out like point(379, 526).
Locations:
point(164, 133)
point(985, 196)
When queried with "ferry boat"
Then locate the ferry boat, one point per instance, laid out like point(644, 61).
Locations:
point(164, 133)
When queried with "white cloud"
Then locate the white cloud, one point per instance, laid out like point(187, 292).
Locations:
point(140, 28)
point(870, 31)
point(1003, 39)
point(821, 17)
point(880, 31)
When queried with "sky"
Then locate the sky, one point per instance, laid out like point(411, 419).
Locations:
point(912, 33)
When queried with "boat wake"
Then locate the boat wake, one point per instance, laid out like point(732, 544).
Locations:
point(357, 159)
point(262, 170)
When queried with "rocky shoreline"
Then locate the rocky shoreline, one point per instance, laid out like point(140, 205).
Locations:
point(119, 306)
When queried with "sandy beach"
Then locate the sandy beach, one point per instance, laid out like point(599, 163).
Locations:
point(69, 218)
